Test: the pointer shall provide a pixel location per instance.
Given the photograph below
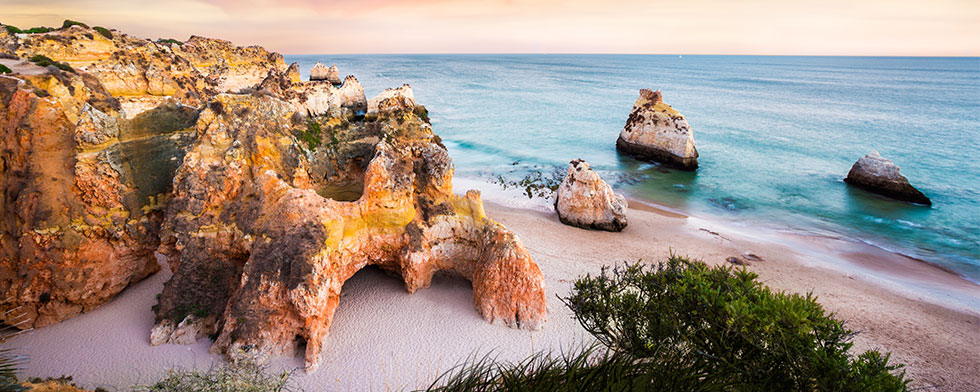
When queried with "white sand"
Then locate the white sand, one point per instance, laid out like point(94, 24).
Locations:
point(386, 339)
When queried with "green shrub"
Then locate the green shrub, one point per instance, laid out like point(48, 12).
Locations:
point(69, 23)
point(170, 41)
point(311, 136)
point(39, 30)
point(104, 31)
point(241, 377)
point(13, 30)
point(683, 326)
point(4, 69)
point(44, 61)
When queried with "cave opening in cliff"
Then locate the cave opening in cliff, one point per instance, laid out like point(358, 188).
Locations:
point(342, 190)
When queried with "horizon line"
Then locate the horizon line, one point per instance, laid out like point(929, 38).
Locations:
point(975, 56)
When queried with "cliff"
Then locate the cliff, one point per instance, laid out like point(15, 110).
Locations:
point(263, 192)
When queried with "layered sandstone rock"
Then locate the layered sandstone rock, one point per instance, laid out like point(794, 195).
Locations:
point(398, 96)
point(585, 200)
point(265, 193)
point(263, 230)
point(320, 72)
point(142, 74)
point(81, 190)
point(656, 132)
point(880, 175)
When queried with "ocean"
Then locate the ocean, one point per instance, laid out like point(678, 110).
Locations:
point(776, 134)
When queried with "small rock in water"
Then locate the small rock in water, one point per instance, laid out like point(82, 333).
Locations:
point(876, 174)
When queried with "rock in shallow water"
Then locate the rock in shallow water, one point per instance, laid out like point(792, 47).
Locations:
point(879, 175)
point(656, 132)
point(585, 200)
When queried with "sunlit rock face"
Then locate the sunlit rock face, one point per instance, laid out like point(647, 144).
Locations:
point(264, 193)
point(81, 190)
point(263, 229)
point(143, 74)
point(320, 72)
point(656, 132)
point(585, 200)
point(880, 175)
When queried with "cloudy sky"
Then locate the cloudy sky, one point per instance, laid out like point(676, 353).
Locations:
point(833, 27)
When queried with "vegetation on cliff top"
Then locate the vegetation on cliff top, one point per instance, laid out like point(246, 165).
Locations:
point(681, 325)
point(104, 31)
point(170, 41)
point(42, 29)
point(44, 61)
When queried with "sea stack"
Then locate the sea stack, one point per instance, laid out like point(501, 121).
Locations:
point(658, 133)
point(876, 174)
point(320, 72)
point(585, 200)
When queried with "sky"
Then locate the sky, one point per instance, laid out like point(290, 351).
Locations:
point(780, 27)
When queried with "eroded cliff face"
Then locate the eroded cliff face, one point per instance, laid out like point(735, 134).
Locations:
point(81, 190)
point(264, 193)
point(290, 223)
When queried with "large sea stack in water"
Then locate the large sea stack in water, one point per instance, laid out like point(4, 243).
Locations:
point(876, 174)
point(658, 133)
point(264, 193)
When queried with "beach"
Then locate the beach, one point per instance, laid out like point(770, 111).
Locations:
point(384, 338)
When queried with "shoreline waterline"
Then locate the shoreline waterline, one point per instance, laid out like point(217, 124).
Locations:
point(912, 277)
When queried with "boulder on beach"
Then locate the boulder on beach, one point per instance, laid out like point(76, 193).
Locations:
point(585, 200)
point(658, 133)
point(876, 174)
point(320, 72)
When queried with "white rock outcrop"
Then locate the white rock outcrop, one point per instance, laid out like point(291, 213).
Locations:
point(585, 200)
point(403, 95)
point(320, 72)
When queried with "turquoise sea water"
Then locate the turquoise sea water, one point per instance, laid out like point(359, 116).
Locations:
point(776, 134)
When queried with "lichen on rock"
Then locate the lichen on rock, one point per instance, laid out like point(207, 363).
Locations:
point(656, 132)
point(585, 200)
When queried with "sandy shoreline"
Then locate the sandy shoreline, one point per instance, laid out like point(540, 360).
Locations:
point(383, 338)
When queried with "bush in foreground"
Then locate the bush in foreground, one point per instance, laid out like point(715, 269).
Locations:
point(683, 326)
point(241, 377)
